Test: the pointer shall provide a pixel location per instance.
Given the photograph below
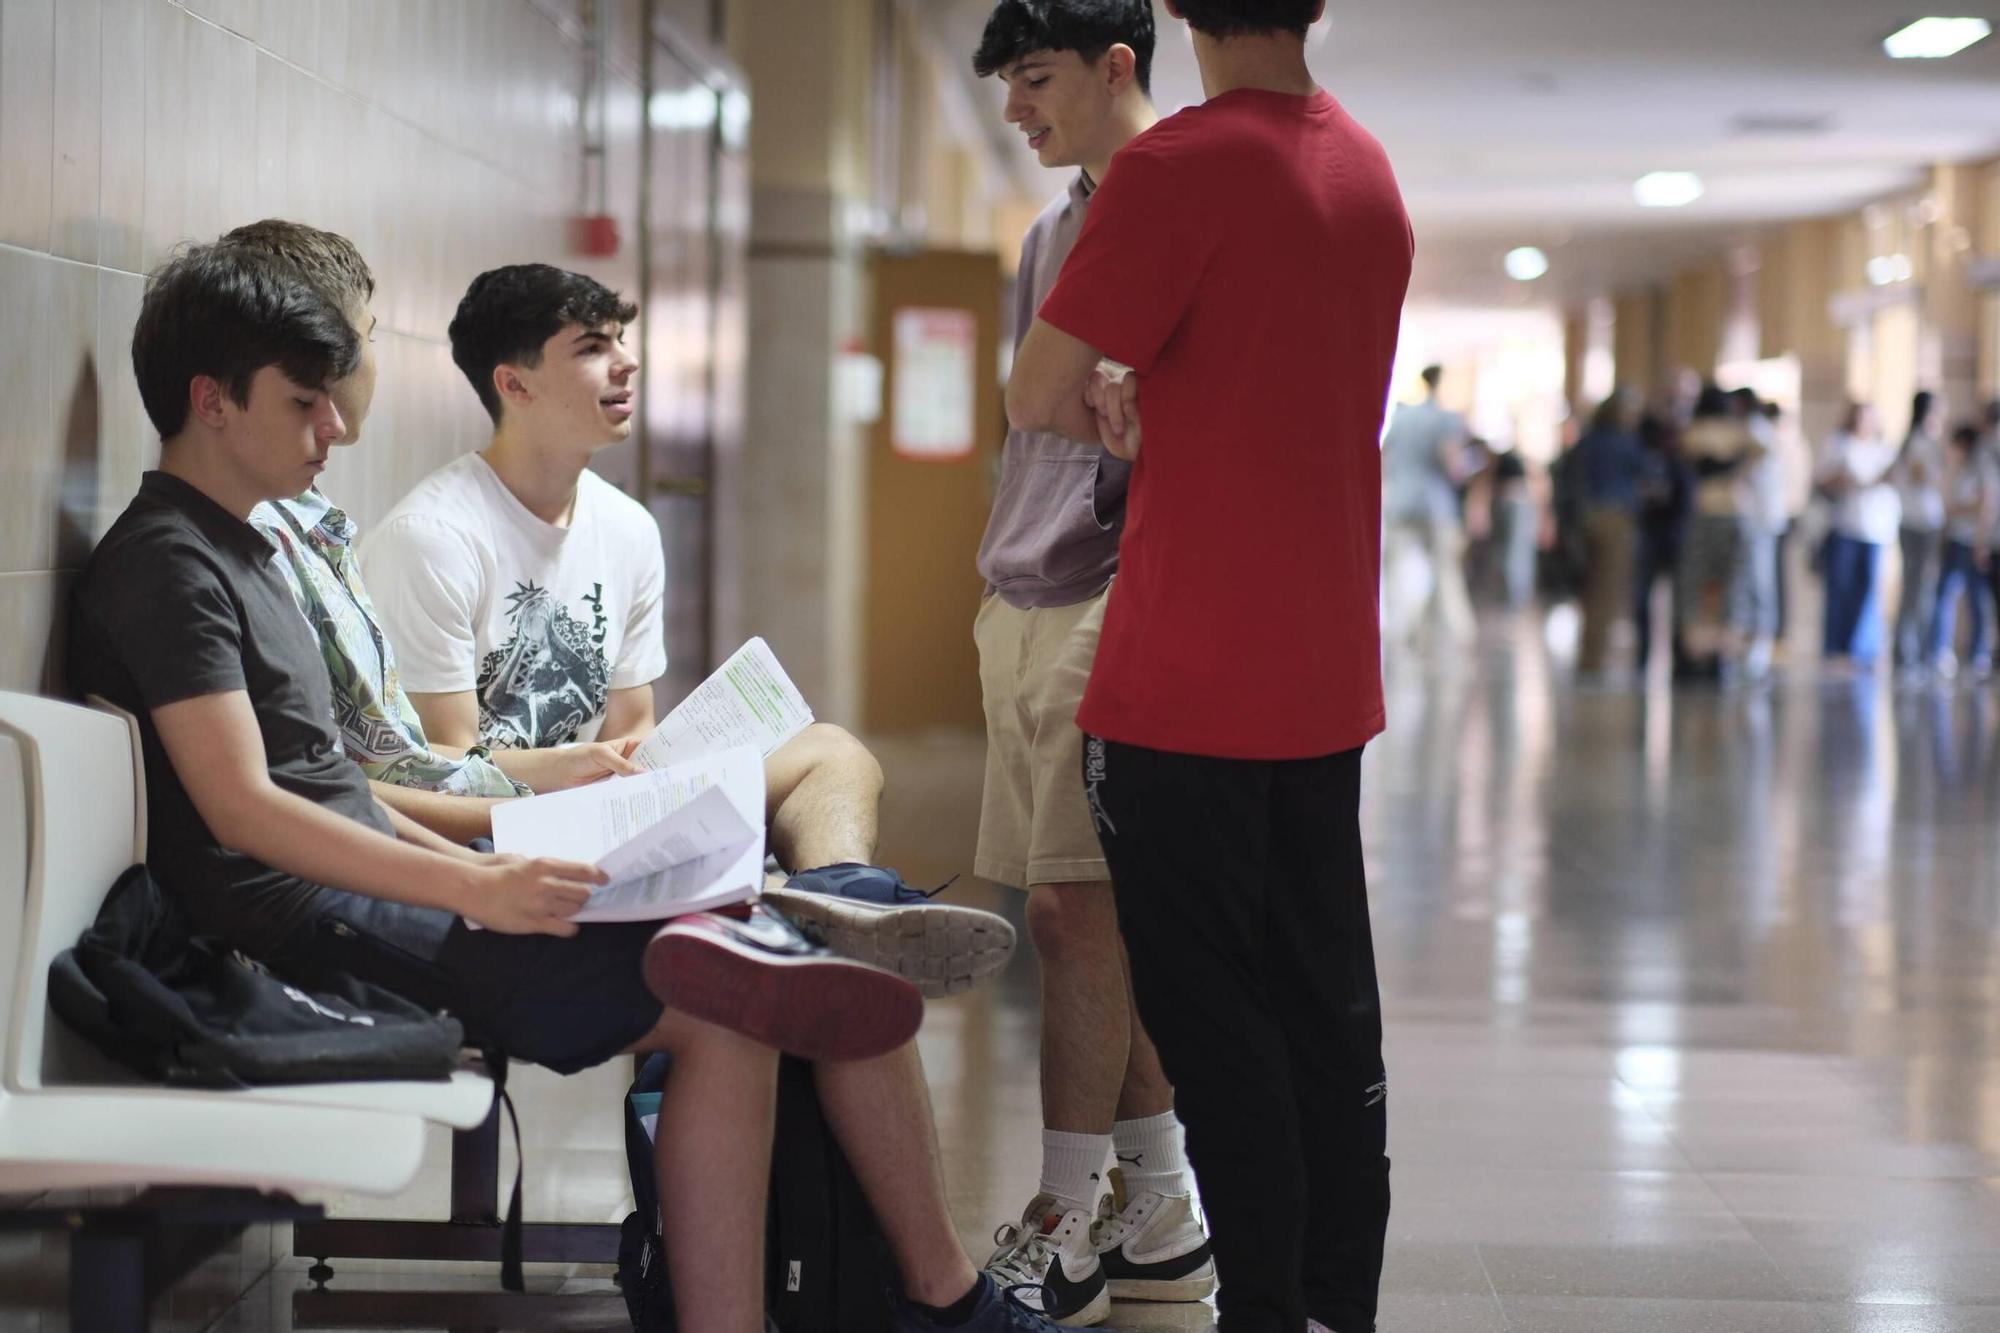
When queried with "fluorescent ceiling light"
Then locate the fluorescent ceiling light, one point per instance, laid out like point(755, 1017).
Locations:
point(1526, 264)
point(1667, 189)
point(1937, 38)
point(1888, 270)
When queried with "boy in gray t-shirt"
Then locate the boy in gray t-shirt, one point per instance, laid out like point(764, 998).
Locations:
point(1076, 77)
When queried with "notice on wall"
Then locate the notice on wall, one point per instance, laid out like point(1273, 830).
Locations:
point(936, 383)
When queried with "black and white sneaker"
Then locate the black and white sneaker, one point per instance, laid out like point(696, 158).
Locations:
point(1050, 1264)
point(759, 976)
point(1152, 1246)
point(868, 913)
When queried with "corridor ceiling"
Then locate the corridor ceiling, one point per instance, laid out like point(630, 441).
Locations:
point(1526, 122)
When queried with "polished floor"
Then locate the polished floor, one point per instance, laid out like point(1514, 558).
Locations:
point(1693, 1009)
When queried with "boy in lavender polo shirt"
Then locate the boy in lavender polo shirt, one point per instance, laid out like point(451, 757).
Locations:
point(1076, 73)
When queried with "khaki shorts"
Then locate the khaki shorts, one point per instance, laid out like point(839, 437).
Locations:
point(1034, 822)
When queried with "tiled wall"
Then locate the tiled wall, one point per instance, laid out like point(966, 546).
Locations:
point(442, 136)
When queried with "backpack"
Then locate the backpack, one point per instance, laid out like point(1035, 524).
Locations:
point(826, 1268)
point(189, 1011)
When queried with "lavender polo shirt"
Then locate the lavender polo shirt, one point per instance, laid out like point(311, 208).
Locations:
point(1052, 539)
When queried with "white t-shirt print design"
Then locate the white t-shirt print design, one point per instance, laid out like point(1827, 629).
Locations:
point(549, 678)
point(541, 622)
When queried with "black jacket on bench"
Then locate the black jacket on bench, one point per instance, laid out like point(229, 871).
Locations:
point(187, 1010)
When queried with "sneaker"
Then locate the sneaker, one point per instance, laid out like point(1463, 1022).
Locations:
point(1049, 1263)
point(759, 976)
point(1152, 1246)
point(996, 1312)
point(869, 913)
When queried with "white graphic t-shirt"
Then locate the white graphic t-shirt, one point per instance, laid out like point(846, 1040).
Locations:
point(541, 622)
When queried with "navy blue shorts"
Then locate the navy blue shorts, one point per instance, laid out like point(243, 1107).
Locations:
point(566, 1004)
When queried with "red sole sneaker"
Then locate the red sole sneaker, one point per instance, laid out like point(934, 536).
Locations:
point(817, 1007)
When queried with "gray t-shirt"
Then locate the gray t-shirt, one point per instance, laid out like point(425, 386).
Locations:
point(180, 600)
point(1052, 539)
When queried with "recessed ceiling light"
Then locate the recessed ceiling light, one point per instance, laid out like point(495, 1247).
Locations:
point(1667, 189)
point(1526, 264)
point(1888, 270)
point(1937, 38)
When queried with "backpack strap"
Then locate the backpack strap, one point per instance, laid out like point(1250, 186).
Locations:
point(511, 1278)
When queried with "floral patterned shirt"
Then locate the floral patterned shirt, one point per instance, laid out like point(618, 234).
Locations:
point(378, 724)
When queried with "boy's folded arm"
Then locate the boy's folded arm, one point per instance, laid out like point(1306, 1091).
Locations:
point(217, 751)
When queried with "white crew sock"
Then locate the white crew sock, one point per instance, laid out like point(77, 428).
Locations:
point(1150, 1156)
point(1073, 1167)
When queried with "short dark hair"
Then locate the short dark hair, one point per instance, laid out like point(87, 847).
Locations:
point(508, 313)
point(1433, 376)
point(1018, 28)
point(226, 312)
point(328, 260)
point(1232, 18)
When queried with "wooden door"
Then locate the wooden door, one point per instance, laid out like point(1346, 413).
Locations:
point(936, 324)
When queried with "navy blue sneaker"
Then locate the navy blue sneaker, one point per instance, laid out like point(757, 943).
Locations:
point(868, 913)
point(997, 1311)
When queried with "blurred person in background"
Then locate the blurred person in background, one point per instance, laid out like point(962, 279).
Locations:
point(1665, 493)
point(1854, 472)
point(1768, 520)
point(1715, 604)
point(1516, 527)
point(1606, 466)
point(1423, 459)
point(1919, 481)
point(1971, 504)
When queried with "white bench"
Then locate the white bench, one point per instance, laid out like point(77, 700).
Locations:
point(72, 817)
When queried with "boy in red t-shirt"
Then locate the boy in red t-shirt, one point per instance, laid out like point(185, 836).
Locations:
point(1248, 259)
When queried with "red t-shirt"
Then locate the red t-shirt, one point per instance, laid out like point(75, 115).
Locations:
point(1248, 258)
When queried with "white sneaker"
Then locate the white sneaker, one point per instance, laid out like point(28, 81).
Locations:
point(1152, 1246)
point(1050, 1264)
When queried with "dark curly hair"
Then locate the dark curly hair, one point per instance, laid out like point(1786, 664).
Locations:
point(228, 312)
point(1017, 28)
point(509, 313)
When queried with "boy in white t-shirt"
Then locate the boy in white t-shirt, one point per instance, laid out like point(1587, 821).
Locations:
point(523, 594)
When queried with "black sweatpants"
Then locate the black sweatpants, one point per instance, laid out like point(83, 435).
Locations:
point(1244, 904)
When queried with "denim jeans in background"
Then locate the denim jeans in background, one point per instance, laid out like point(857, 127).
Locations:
point(1921, 552)
point(1853, 602)
point(1960, 573)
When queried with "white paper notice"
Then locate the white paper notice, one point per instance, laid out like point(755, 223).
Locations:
point(748, 701)
point(682, 839)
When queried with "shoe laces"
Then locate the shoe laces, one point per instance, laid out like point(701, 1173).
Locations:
point(1023, 1257)
point(1021, 1315)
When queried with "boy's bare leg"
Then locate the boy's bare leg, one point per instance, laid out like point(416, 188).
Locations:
point(822, 794)
point(880, 1114)
point(1097, 1062)
point(712, 1156)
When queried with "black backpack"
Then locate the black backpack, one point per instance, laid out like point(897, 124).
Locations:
point(190, 1011)
point(826, 1269)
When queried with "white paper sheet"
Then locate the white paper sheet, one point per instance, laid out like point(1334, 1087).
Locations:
point(679, 840)
point(748, 701)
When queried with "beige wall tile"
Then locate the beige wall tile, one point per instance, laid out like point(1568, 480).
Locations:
point(121, 194)
point(79, 104)
point(127, 442)
point(221, 143)
point(28, 608)
point(242, 17)
point(75, 405)
point(272, 136)
point(27, 449)
point(27, 120)
point(166, 151)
